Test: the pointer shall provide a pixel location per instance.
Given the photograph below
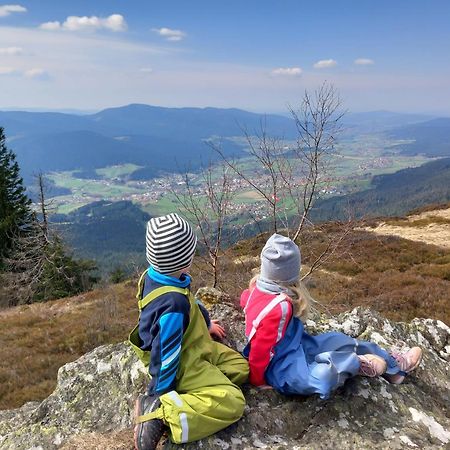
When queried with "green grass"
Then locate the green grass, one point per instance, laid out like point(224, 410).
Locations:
point(249, 197)
point(117, 171)
point(95, 188)
point(163, 206)
point(66, 208)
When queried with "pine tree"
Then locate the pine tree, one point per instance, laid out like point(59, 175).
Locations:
point(62, 275)
point(15, 209)
point(39, 266)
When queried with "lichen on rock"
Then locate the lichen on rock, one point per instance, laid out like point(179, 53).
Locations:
point(94, 398)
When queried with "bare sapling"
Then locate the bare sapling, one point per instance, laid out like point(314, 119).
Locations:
point(289, 176)
point(266, 174)
point(207, 204)
point(318, 124)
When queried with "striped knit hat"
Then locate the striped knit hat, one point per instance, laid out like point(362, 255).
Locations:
point(170, 243)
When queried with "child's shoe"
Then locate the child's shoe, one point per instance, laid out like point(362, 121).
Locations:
point(371, 365)
point(147, 434)
point(407, 362)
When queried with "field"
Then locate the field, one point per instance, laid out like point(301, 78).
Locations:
point(117, 171)
point(355, 163)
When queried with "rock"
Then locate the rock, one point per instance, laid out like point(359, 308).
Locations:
point(210, 296)
point(94, 397)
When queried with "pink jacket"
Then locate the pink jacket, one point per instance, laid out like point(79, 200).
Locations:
point(268, 332)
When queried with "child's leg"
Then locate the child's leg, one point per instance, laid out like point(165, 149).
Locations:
point(231, 363)
point(198, 414)
point(366, 347)
point(298, 373)
point(330, 370)
point(339, 342)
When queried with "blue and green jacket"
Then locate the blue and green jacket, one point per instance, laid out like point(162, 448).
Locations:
point(162, 324)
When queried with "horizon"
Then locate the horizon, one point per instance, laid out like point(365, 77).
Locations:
point(257, 56)
point(83, 112)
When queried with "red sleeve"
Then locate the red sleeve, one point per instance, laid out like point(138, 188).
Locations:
point(263, 342)
point(244, 298)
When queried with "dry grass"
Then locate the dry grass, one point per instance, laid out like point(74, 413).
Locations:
point(400, 278)
point(431, 227)
point(38, 339)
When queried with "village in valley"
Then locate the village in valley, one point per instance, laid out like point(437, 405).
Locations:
point(350, 171)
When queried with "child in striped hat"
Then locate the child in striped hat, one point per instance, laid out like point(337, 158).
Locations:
point(194, 380)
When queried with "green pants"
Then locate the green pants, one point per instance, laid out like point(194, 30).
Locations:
point(197, 410)
point(207, 397)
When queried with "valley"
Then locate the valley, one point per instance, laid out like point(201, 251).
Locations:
point(354, 164)
point(122, 165)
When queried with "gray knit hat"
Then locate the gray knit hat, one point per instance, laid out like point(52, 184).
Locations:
point(280, 260)
point(170, 243)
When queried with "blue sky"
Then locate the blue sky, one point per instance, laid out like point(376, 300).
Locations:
point(256, 55)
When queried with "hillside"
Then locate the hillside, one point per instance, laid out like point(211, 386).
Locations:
point(112, 233)
point(431, 227)
point(189, 123)
point(392, 194)
point(431, 138)
point(399, 278)
point(377, 121)
point(168, 139)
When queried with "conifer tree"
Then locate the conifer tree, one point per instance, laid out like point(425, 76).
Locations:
point(40, 266)
point(15, 210)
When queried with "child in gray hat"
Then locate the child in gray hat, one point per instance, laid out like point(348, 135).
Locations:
point(283, 355)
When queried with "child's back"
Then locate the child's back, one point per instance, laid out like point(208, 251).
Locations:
point(280, 352)
point(193, 389)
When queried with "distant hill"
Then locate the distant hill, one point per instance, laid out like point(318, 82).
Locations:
point(375, 121)
point(111, 232)
point(160, 139)
point(87, 150)
point(431, 138)
point(392, 194)
point(70, 150)
point(172, 139)
point(189, 123)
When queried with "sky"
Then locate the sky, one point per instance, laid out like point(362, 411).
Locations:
point(258, 55)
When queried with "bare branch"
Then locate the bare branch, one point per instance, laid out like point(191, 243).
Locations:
point(207, 205)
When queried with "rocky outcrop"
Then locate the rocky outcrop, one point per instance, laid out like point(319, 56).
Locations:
point(93, 400)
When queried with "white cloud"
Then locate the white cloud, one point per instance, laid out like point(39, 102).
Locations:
point(288, 71)
point(50, 26)
point(36, 73)
point(115, 22)
point(169, 34)
point(6, 10)
point(146, 70)
point(7, 70)
point(325, 64)
point(11, 51)
point(363, 62)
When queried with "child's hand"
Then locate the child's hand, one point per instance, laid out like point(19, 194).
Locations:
point(216, 330)
point(264, 387)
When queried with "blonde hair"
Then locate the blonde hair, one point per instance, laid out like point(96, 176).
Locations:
point(300, 297)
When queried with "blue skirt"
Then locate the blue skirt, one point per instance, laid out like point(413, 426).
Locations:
point(304, 364)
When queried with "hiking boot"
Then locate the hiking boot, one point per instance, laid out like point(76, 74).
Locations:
point(407, 362)
point(371, 365)
point(147, 434)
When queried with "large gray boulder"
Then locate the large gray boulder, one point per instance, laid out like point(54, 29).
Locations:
point(92, 405)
